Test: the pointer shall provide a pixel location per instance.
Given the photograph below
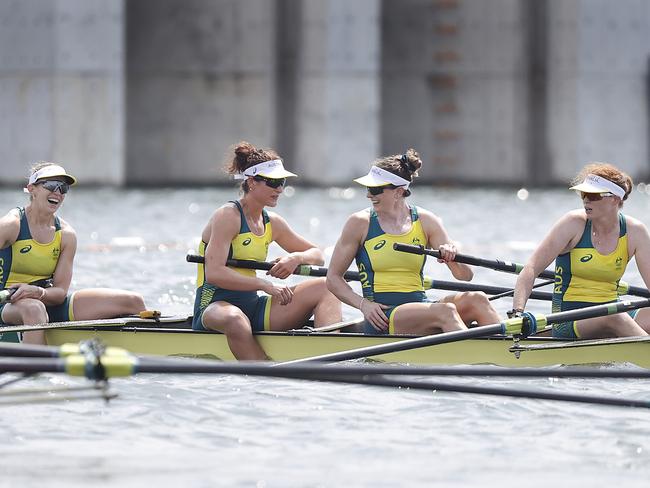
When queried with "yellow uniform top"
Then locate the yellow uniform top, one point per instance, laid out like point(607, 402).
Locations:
point(384, 270)
point(246, 245)
point(28, 260)
point(585, 276)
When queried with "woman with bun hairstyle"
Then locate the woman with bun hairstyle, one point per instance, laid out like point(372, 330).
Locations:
point(37, 250)
point(394, 300)
point(227, 298)
point(591, 247)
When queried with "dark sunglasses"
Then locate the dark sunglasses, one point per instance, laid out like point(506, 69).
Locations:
point(271, 182)
point(594, 197)
point(54, 185)
point(378, 190)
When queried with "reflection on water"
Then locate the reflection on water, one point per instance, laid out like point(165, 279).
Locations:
point(261, 432)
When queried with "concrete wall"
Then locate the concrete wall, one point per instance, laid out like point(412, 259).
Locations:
point(200, 78)
point(455, 83)
point(61, 88)
point(499, 91)
point(598, 84)
point(337, 98)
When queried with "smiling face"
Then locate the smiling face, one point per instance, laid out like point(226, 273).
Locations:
point(49, 193)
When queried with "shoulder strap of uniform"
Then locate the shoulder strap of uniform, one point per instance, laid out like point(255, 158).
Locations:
point(622, 224)
point(24, 232)
point(243, 226)
point(414, 213)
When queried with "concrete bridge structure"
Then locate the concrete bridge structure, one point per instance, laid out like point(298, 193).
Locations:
point(155, 91)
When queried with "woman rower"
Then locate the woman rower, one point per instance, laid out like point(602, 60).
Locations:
point(591, 248)
point(393, 299)
point(37, 248)
point(226, 298)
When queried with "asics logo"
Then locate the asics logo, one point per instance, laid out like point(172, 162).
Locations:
point(246, 242)
point(379, 245)
point(26, 249)
point(586, 258)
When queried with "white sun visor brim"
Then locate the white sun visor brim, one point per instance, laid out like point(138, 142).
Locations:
point(598, 184)
point(51, 171)
point(269, 169)
point(380, 177)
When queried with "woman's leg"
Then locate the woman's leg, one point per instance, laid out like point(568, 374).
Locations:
point(25, 312)
point(105, 303)
point(474, 306)
point(423, 318)
point(231, 321)
point(309, 297)
point(643, 319)
point(618, 325)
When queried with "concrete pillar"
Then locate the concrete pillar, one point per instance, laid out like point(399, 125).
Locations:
point(455, 87)
point(61, 88)
point(337, 90)
point(598, 84)
point(200, 78)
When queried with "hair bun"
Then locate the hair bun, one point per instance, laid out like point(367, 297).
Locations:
point(410, 161)
point(243, 150)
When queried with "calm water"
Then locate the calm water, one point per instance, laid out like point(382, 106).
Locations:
point(235, 431)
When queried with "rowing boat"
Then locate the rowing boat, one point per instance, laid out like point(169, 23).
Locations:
point(173, 336)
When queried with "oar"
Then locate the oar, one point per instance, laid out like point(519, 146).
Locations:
point(515, 268)
point(319, 271)
point(526, 325)
point(128, 365)
point(156, 364)
point(511, 292)
point(146, 317)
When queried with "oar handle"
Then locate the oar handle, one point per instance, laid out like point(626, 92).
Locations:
point(465, 259)
point(302, 270)
point(5, 295)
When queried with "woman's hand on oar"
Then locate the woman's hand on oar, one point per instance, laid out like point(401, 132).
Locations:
point(508, 267)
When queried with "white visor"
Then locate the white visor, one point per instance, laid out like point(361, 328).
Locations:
point(380, 177)
point(269, 169)
point(50, 171)
point(598, 184)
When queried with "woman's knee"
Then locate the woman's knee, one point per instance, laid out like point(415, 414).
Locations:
point(231, 322)
point(470, 301)
point(31, 310)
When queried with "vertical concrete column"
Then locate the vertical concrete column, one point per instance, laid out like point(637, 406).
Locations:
point(61, 87)
point(598, 84)
point(200, 78)
point(337, 100)
point(456, 86)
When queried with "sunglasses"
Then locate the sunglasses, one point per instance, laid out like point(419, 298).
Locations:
point(378, 190)
point(54, 185)
point(271, 182)
point(595, 197)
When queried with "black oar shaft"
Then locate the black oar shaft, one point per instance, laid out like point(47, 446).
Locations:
point(405, 345)
point(507, 266)
point(307, 270)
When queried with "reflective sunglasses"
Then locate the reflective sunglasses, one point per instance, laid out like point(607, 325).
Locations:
point(271, 182)
point(378, 190)
point(595, 197)
point(54, 185)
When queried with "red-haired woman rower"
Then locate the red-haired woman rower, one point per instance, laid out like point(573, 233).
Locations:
point(591, 248)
